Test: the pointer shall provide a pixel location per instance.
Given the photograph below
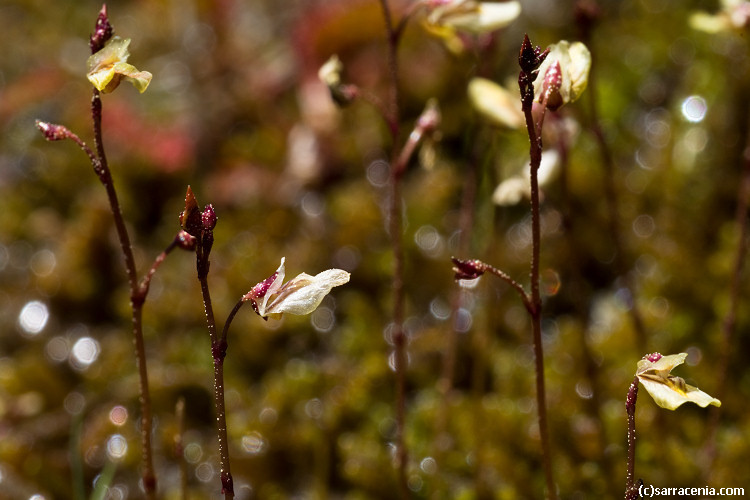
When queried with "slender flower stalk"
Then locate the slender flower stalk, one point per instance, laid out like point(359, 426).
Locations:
point(398, 166)
point(631, 489)
point(530, 59)
point(400, 156)
point(200, 225)
point(98, 41)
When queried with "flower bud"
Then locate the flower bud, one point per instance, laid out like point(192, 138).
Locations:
point(208, 218)
point(185, 240)
point(103, 31)
point(468, 269)
point(191, 219)
point(52, 132)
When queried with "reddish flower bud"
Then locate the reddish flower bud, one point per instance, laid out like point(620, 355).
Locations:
point(103, 31)
point(208, 218)
point(53, 132)
point(191, 217)
point(185, 240)
point(468, 269)
point(551, 86)
point(530, 57)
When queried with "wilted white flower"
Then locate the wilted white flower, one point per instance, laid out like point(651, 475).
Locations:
point(501, 106)
point(564, 74)
point(669, 391)
point(300, 295)
point(107, 67)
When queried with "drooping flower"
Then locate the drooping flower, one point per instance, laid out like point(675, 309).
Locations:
point(669, 391)
point(300, 295)
point(563, 75)
point(107, 67)
point(496, 103)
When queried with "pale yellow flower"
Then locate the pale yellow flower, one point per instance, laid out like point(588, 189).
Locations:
point(107, 67)
point(669, 391)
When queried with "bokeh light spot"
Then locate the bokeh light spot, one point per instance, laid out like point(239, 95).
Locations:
point(33, 317)
point(85, 351)
point(694, 108)
point(118, 415)
point(117, 446)
point(253, 443)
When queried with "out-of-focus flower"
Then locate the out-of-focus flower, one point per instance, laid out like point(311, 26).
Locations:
point(330, 74)
point(499, 105)
point(563, 75)
point(669, 391)
point(472, 16)
point(300, 295)
point(446, 17)
point(517, 187)
point(107, 67)
point(733, 15)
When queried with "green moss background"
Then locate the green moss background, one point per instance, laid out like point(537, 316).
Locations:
point(236, 111)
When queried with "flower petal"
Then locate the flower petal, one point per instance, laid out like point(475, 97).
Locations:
point(482, 17)
point(303, 294)
point(273, 287)
point(496, 103)
point(670, 396)
point(662, 366)
point(139, 79)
